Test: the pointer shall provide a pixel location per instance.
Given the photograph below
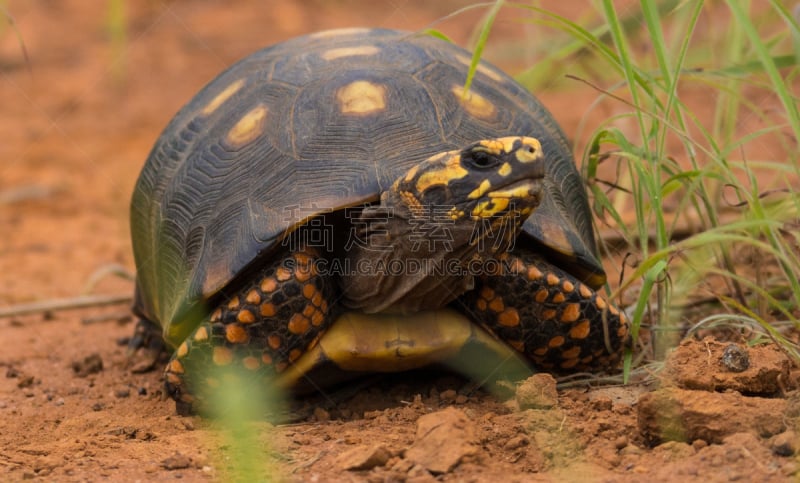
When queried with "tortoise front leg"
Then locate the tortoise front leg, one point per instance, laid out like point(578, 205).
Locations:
point(558, 322)
point(258, 330)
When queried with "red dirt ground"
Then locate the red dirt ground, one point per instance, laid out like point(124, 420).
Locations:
point(78, 121)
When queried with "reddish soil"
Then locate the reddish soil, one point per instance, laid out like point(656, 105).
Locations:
point(78, 120)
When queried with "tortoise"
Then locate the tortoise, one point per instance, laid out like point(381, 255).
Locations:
point(340, 200)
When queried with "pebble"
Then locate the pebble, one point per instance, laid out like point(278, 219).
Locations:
point(363, 457)
point(443, 439)
point(735, 358)
point(122, 393)
point(177, 461)
point(784, 444)
point(448, 395)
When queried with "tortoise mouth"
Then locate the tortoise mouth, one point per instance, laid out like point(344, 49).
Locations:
point(528, 188)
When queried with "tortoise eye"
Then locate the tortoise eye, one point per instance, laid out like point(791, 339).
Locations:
point(480, 160)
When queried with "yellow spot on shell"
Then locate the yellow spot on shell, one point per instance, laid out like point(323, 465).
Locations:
point(249, 127)
point(556, 341)
point(222, 97)
point(552, 279)
point(496, 305)
point(571, 353)
point(585, 291)
point(183, 349)
point(233, 304)
point(568, 286)
point(361, 97)
point(338, 32)
point(350, 52)
point(474, 103)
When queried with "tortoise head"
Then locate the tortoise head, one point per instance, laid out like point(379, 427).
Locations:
point(489, 187)
point(448, 211)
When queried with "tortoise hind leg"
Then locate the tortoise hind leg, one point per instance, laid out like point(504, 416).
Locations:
point(257, 330)
point(558, 322)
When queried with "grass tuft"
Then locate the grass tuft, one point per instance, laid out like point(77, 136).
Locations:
point(701, 148)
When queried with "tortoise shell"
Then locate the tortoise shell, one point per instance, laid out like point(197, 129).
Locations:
point(313, 125)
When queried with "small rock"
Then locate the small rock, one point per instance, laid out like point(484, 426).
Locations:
point(602, 403)
point(177, 461)
point(461, 399)
point(537, 392)
point(12, 372)
point(621, 442)
point(448, 396)
point(735, 358)
point(784, 444)
point(91, 364)
point(443, 439)
point(26, 381)
point(142, 391)
point(122, 393)
point(59, 401)
point(363, 458)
